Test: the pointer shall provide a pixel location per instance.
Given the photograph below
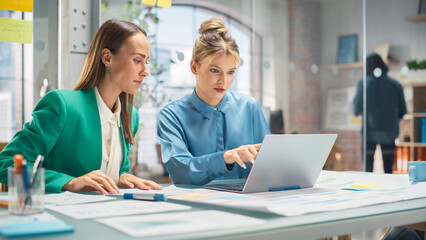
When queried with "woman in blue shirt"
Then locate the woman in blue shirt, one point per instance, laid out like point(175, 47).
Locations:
point(204, 134)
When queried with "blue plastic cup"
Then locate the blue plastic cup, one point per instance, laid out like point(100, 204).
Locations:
point(417, 171)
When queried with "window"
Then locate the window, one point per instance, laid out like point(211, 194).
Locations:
point(176, 34)
point(11, 79)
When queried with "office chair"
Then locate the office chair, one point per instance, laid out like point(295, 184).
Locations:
point(166, 175)
point(402, 233)
point(276, 122)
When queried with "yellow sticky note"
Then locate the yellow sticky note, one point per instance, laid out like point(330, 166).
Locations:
point(164, 3)
point(193, 196)
point(14, 30)
point(150, 2)
point(356, 120)
point(366, 185)
point(17, 5)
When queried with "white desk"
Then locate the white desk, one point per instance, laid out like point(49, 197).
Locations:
point(309, 226)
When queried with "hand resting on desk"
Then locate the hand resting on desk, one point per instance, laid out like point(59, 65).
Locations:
point(98, 181)
point(131, 181)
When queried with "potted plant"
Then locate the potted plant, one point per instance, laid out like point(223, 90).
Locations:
point(417, 70)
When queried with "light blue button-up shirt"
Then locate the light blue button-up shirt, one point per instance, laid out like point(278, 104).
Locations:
point(195, 135)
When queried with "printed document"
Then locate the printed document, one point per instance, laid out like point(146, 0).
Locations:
point(116, 208)
point(182, 222)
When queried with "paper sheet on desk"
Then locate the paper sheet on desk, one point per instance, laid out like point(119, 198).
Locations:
point(333, 191)
point(68, 198)
point(116, 208)
point(169, 190)
point(182, 222)
point(332, 179)
point(394, 186)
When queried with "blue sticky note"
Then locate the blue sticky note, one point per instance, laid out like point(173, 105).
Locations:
point(17, 226)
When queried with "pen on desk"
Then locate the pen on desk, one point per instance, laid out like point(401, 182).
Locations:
point(4, 204)
point(146, 196)
point(26, 180)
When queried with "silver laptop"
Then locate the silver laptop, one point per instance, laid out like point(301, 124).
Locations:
point(284, 162)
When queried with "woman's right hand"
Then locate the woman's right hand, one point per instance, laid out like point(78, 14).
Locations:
point(93, 181)
point(242, 154)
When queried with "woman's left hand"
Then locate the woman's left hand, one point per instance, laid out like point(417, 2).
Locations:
point(131, 181)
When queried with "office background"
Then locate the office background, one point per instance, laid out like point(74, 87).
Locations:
point(303, 57)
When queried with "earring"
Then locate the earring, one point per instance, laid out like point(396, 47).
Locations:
point(108, 68)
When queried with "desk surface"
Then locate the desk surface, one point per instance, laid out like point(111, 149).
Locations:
point(308, 226)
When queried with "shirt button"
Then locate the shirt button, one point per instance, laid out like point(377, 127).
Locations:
point(215, 109)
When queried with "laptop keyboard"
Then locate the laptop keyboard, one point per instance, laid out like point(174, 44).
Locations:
point(231, 186)
point(239, 186)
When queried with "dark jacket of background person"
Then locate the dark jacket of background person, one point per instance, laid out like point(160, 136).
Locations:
point(385, 103)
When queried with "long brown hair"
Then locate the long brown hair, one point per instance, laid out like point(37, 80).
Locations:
point(214, 39)
point(111, 35)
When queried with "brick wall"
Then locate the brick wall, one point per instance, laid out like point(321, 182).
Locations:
point(304, 94)
point(304, 50)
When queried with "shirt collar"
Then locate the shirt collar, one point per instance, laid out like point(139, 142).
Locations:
point(104, 112)
point(206, 109)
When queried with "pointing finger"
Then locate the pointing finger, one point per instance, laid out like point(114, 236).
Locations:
point(257, 146)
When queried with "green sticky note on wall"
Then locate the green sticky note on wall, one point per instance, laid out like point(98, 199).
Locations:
point(14, 30)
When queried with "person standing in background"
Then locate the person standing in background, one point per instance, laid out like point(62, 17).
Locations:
point(385, 107)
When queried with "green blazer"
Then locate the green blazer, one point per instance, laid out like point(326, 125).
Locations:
point(66, 129)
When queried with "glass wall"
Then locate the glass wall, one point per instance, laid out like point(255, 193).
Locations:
point(399, 37)
point(303, 60)
point(317, 52)
point(300, 59)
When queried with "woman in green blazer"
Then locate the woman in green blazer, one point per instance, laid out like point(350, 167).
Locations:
point(67, 125)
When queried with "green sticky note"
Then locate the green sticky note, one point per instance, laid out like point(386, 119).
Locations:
point(164, 3)
point(14, 30)
point(150, 2)
point(17, 5)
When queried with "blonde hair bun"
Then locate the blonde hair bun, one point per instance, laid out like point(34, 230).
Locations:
point(214, 39)
point(213, 25)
